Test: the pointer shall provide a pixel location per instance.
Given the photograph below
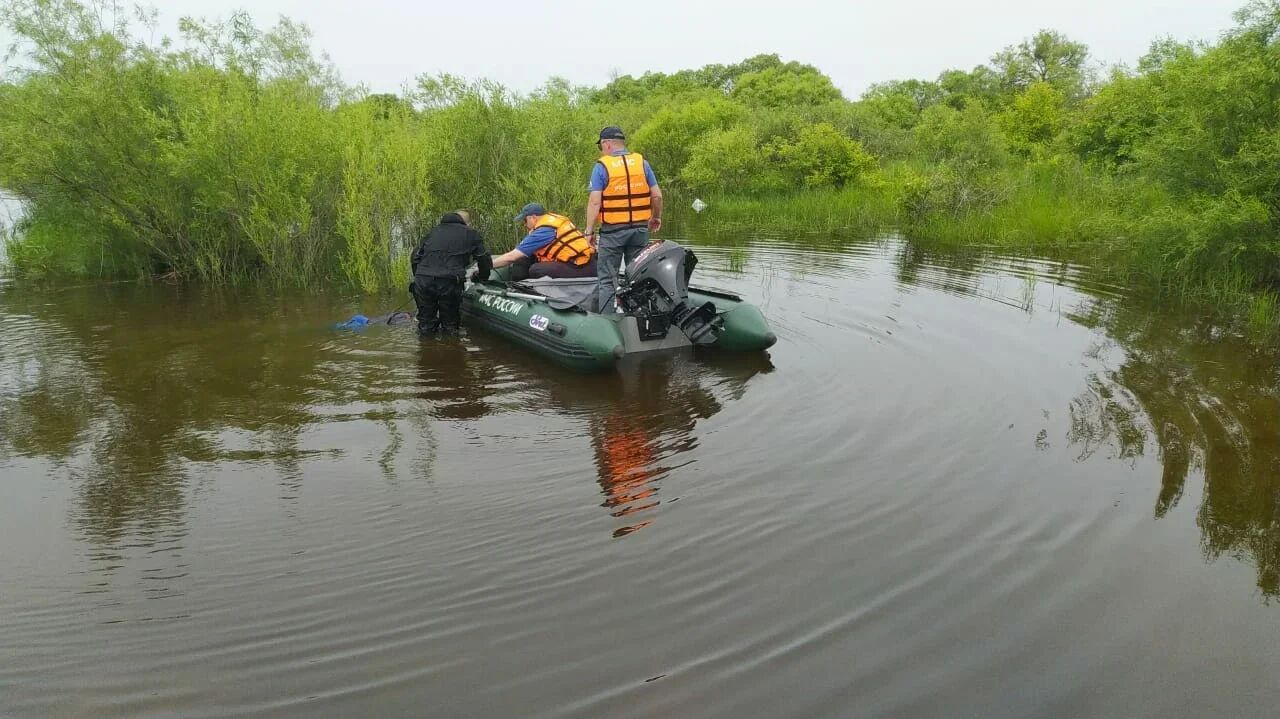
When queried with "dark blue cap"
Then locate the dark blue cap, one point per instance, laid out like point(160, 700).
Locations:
point(612, 132)
point(532, 209)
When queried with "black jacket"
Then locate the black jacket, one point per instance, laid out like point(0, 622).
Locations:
point(449, 248)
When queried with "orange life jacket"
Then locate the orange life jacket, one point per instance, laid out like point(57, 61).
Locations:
point(570, 245)
point(625, 198)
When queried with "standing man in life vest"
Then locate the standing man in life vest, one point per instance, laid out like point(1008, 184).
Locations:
point(625, 204)
point(553, 248)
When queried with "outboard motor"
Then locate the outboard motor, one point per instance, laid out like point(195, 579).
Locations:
point(657, 295)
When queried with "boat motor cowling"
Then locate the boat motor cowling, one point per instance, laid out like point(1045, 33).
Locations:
point(657, 295)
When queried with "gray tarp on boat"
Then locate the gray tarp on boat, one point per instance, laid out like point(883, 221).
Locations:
point(575, 290)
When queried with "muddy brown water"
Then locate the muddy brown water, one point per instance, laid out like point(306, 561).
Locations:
point(959, 485)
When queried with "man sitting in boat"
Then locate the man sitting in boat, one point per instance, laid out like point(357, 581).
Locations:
point(553, 248)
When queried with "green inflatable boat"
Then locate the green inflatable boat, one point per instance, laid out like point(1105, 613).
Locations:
point(659, 311)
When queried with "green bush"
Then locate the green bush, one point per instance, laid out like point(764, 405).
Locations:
point(947, 191)
point(1206, 238)
point(1112, 124)
point(1034, 120)
point(384, 205)
point(731, 160)
point(969, 139)
point(671, 135)
point(822, 157)
point(789, 85)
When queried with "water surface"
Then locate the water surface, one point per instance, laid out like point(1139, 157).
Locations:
point(960, 485)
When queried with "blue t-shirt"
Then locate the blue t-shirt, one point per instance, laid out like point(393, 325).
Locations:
point(536, 240)
point(600, 176)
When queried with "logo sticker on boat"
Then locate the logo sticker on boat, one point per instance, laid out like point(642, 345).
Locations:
point(538, 322)
point(502, 304)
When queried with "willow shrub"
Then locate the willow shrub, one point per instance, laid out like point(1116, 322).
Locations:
point(384, 203)
point(155, 161)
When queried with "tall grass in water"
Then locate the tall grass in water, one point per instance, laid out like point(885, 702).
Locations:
point(6, 241)
point(1032, 208)
point(1264, 316)
point(737, 260)
point(856, 211)
point(1127, 232)
point(1041, 206)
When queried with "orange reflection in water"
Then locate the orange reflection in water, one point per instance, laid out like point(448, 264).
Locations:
point(647, 427)
point(626, 458)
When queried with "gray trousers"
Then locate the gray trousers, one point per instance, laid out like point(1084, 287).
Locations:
point(612, 247)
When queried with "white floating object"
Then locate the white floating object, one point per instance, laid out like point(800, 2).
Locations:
point(699, 205)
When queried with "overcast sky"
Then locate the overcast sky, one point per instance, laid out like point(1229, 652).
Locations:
point(385, 43)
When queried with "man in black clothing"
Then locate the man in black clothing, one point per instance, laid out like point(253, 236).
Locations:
point(439, 267)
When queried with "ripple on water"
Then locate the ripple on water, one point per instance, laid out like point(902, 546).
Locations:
point(959, 484)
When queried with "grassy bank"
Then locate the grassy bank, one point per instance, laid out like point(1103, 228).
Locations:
point(1129, 233)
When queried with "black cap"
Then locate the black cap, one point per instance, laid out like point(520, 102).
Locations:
point(612, 132)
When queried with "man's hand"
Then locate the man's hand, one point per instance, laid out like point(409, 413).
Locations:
point(655, 224)
point(591, 237)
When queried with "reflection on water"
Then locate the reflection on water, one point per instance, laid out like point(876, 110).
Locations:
point(643, 422)
point(1205, 402)
point(124, 390)
point(453, 385)
point(955, 456)
point(639, 421)
point(127, 390)
point(1207, 406)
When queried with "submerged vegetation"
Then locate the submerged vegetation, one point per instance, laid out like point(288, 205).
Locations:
point(234, 153)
